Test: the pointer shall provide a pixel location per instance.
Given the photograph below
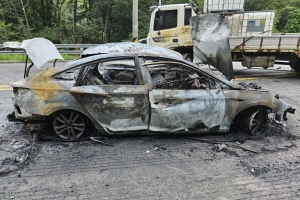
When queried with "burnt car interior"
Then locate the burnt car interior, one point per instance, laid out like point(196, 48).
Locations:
point(173, 75)
point(164, 74)
point(120, 72)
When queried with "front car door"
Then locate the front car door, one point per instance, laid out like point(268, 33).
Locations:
point(114, 94)
point(184, 100)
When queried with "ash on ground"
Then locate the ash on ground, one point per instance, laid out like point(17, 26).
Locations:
point(17, 148)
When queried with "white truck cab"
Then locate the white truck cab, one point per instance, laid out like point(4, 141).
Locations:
point(170, 26)
point(251, 39)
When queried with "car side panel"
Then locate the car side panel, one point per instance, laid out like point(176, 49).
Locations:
point(239, 100)
point(187, 110)
point(116, 108)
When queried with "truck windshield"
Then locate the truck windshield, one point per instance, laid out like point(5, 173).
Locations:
point(165, 20)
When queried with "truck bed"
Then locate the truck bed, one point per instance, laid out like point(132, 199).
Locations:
point(273, 43)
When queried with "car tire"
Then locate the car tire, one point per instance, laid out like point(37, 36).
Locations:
point(257, 121)
point(69, 125)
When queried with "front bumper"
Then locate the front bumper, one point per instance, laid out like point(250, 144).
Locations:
point(289, 110)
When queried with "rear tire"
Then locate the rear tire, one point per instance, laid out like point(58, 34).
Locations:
point(69, 125)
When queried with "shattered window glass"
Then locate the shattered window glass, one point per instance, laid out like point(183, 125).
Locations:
point(71, 74)
point(165, 20)
point(122, 72)
point(172, 75)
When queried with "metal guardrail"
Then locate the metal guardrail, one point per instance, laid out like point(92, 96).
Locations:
point(62, 49)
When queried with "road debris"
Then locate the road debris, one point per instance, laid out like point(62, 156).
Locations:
point(159, 147)
point(17, 148)
point(220, 145)
point(101, 140)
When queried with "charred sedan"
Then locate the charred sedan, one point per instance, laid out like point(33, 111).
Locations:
point(123, 88)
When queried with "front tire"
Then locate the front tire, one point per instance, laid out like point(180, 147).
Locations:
point(257, 121)
point(69, 125)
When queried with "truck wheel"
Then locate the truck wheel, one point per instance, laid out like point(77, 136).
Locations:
point(297, 68)
point(187, 56)
point(295, 65)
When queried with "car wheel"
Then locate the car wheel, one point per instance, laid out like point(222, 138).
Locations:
point(257, 121)
point(69, 125)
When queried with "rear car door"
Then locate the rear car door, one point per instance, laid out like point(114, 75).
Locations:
point(184, 100)
point(114, 94)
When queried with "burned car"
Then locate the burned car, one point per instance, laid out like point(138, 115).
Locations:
point(132, 88)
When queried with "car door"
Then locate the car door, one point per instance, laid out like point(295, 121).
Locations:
point(184, 99)
point(114, 95)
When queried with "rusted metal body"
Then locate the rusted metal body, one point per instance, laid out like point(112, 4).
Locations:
point(138, 89)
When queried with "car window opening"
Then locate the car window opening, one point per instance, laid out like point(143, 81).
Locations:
point(120, 72)
point(68, 75)
point(173, 76)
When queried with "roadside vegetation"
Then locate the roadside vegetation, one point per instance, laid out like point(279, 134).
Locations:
point(22, 57)
point(101, 21)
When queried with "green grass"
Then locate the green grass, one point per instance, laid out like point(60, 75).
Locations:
point(22, 57)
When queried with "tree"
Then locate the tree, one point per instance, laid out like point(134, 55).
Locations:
point(100, 21)
point(14, 11)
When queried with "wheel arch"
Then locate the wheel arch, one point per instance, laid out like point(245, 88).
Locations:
point(90, 120)
point(250, 109)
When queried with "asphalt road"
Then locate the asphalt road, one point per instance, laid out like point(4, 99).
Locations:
point(155, 167)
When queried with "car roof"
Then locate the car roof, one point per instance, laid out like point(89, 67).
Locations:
point(130, 48)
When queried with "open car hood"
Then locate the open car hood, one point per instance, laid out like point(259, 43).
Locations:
point(40, 51)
